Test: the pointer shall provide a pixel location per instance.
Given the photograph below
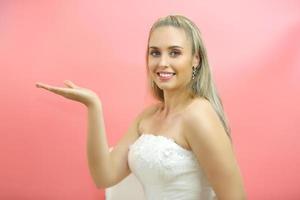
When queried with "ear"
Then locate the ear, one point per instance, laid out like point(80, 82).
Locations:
point(196, 60)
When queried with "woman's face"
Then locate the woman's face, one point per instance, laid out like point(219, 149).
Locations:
point(170, 51)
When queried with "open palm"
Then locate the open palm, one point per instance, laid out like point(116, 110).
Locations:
point(73, 92)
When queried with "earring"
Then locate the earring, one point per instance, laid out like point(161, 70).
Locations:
point(194, 72)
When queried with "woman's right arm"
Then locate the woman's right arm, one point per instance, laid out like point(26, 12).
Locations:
point(108, 168)
point(98, 154)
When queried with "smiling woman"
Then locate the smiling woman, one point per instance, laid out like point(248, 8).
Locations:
point(179, 148)
point(168, 48)
point(190, 116)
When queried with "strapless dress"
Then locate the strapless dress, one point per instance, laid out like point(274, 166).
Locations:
point(168, 171)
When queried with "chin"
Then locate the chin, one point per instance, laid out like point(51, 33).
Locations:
point(166, 87)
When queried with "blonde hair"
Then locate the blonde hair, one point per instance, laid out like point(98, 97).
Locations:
point(203, 84)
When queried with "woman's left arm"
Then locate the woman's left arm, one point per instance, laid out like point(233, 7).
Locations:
point(212, 147)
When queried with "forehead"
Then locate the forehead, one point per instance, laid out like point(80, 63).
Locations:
point(168, 36)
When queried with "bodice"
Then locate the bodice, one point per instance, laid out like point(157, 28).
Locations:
point(167, 171)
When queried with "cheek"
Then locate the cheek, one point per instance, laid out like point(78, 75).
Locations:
point(151, 67)
point(183, 68)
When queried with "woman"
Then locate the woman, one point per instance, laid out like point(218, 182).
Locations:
point(179, 148)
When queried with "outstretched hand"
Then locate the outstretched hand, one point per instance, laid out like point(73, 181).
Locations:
point(73, 92)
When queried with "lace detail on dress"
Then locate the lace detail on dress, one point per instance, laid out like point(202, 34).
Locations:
point(163, 154)
point(166, 169)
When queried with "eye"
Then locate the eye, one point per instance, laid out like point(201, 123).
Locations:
point(175, 53)
point(153, 53)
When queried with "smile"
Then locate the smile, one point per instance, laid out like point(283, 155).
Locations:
point(165, 76)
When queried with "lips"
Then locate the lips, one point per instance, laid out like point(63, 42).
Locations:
point(164, 76)
point(165, 73)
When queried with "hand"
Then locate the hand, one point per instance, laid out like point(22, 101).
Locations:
point(73, 92)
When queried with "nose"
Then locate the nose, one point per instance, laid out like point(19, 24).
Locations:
point(163, 61)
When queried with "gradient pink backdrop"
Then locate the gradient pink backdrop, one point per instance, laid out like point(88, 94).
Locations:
point(254, 53)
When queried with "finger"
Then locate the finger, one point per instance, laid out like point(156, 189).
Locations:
point(60, 91)
point(70, 84)
point(41, 85)
point(57, 90)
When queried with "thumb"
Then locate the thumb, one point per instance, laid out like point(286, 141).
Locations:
point(70, 84)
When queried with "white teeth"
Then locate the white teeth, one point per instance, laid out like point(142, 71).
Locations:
point(162, 74)
point(165, 75)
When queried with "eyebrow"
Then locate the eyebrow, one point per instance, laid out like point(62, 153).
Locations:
point(170, 47)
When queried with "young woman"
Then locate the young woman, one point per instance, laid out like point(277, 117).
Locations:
point(179, 148)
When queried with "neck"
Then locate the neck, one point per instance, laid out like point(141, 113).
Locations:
point(175, 101)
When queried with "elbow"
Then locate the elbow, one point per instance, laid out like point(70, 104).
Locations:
point(101, 181)
point(104, 184)
point(101, 185)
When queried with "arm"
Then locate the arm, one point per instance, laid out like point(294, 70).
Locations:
point(109, 168)
point(214, 152)
point(99, 159)
point(97, 147)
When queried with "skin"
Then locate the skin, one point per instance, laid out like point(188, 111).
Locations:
point(72, 92)
point(203, 130)
point(210, 143)
point(171, 59)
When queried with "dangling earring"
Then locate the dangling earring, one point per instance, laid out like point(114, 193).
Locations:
point(194, 72)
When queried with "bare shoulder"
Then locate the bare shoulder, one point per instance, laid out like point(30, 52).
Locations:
point(206, 135)
point(199, 104)
point(203, 127)
point(148, 110)
point(201, 118)
point(213, 149)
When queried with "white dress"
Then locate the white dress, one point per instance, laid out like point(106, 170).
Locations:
point(167, 171)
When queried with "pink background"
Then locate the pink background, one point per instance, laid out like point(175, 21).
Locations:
point(254, 53)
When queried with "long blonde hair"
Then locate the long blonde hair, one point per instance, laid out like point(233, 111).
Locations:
point(203, 84)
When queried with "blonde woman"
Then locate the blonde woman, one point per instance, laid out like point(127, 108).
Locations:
point(179, 148)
